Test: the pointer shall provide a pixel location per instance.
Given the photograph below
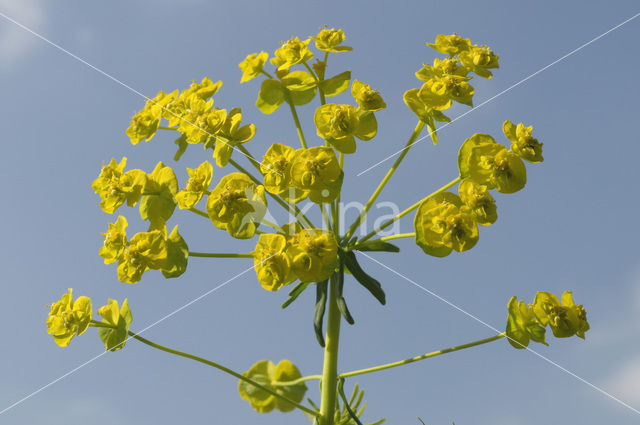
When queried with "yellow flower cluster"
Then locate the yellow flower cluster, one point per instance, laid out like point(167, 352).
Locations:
point(446, 221)
point(191, 113)
point(528, 322)
point(68, 318)
point(446, 81)
point(297, 174)
point(310, 255)
point(146, 250)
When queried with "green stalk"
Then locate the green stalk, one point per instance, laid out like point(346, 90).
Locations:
point(330, 370)
point(296, 120)
point(422, 357)
point(222, 368)
point(398, 236)
point(411, 208)
point(199, 212)
point(218, 255)
point(392, 170)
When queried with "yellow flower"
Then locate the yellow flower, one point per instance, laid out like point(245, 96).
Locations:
point(489, 163)
point(115, 187)
point(450, 44)
point(204, 90)
point(338, 124)
point(158, 204)
point(566, 319)
point(443, 223)
point(317, 171)
point(197, 185)
point(206, 123)
point(479, 200)
point(328, 40)
point(115, 241)
point(266, 373)
point(68, 318)
point(313, 254)
point(144, 124)
point(276, 169)
point(272, 264)
point(237, 205)
point(367, 98)
point(440, 68)
point(146, 250)
point(439, 91)
point(479, 60)
point(231, 135)
point(291, 53)
point(117, 321)
point(523, 143)
point(252, 66)
point(522, 325)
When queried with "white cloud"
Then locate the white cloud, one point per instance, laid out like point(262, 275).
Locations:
point(625, 383)
point(15, 42)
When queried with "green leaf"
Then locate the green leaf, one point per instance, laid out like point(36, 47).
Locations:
point(377, 245)
point(270, 97)
point(368, 126)
point(158, 206)
point(346, 145)
point(318, 315)
point(439, 116)
point(342, 303)
point(182, 146)
point(336, 84)
point(364, 279)
point(298, 81)
point(299, 98)
point(295, 293)
point(177, 255)
point(119, 320)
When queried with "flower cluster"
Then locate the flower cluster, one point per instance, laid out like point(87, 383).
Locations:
point(68, 318)
point(446, 81)
point(528, 322)
point(446, 221)
point(191, 113)
point(146, 250)
point(310, 255)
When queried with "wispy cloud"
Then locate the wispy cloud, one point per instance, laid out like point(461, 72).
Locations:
point(625, 382)
point(16, 43)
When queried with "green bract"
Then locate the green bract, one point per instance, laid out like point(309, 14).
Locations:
point(146, 250)
point(566, 319)
point(252, 66)
point(266, 373)
point(116, 321)
point(522, 325)
point(157, 203)
point(115, 241)
point(450, 44)
point(329, 40)
point(479, 60)
point(231, 135)
point(479, 200)
point(237, 205)
point(292, 53)
point(68, 318)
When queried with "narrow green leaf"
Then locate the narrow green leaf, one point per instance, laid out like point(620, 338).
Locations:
point(295, 293)
point(342, 303)
point(364, 279)
point(318, 315)
point(182, 146)
point(377, 245)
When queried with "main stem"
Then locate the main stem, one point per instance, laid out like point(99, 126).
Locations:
point(330, 370)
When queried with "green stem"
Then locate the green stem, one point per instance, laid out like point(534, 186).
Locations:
point(330, 369)
point(325, 216)
point(392, 170)
point(274, 226)
point(222, 368)
point(168, 128)
point(422, 357)
point(267, 74)
point(199, 212)
point(297, 381)
point(398, 236)
point(319, 79)
point(217, 255)
point(296, 120)
point(252, 159)
point(411, 208)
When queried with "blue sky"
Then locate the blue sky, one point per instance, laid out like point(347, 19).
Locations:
point(574, 227)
